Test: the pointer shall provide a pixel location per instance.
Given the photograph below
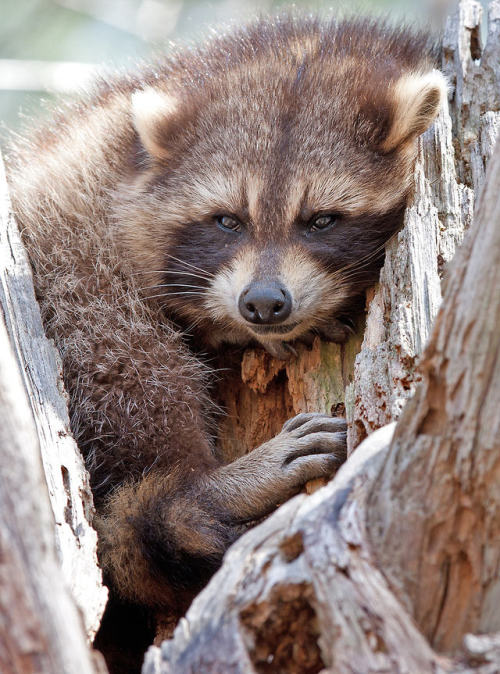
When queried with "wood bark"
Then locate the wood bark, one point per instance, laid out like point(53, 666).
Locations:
point(65, 473)
point(41, 630)
point(448, 176)
point(435, 507)
point(389, 566)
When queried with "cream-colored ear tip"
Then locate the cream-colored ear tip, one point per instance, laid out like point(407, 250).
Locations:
point(417, 98)
point(152, 109)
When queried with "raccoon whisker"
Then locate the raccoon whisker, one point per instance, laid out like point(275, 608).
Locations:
point(365, 259)
point(362, 265)
point(188, 264)
point(166, 295)
point(191, 327)
point(187, 331)
point(172, 271)
point(342, 279)
point(170, 285)
point(178, 285)
point(352, 275)
point(355, 274)
point(355, 266)
point(180, 292)
point(186, 273)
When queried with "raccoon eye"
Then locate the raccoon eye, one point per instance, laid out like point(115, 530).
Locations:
point(321, 222)
point(228, 223)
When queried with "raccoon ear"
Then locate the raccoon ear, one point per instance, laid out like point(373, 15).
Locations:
point(155, 114)
point(416, 100)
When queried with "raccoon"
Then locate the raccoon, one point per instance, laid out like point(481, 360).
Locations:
point(238, 193)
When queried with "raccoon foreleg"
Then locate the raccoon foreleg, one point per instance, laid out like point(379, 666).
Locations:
point(309, 446)
point(338, 330)
point(163, 538)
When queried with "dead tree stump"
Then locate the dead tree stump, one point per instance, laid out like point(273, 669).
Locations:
point(48, 563)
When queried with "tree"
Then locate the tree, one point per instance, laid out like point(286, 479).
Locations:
point(393, 562)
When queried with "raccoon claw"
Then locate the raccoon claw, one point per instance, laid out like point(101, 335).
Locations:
point(311, 446)
point(338, 330)
point(280, 350)
point(309, 422)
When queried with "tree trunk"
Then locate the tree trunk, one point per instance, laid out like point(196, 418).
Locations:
point(448, 177)
point(44, 509)
point(388, 567)
point(435, 506)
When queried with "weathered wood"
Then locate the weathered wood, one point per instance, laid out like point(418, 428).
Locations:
point(474, 75)
point(259, 393)
point(65, 472)
point(435, 509)
point(450, 169)
point(481, 654)
point(41, 630)
point(298, 594)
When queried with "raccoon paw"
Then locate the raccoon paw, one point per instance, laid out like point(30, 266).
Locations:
point(317, 446)
point(309, 446)
point(338, 330)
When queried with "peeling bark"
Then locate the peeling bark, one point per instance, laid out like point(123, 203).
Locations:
point(449, 173)
point(47, 546)
point(41, 631)
point(436, 504)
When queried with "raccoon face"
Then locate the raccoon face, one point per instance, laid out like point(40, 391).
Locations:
point(263, 203)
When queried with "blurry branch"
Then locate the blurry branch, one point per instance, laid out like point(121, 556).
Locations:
point(150, 20)
point(53, 76)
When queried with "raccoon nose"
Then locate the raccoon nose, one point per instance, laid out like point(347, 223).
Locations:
point(265, 303)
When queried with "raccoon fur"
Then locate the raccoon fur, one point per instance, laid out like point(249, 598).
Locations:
point(239, 193)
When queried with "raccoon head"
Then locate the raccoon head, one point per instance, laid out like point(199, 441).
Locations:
point(265, 196)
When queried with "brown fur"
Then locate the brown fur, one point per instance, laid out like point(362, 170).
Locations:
point(116, 198)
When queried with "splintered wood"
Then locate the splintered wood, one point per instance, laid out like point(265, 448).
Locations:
point(259, 393)
point(49, 578)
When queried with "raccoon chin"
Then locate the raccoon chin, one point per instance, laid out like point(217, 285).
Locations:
point(337, 330)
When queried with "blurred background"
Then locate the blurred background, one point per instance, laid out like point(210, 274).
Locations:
point(48, 47)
